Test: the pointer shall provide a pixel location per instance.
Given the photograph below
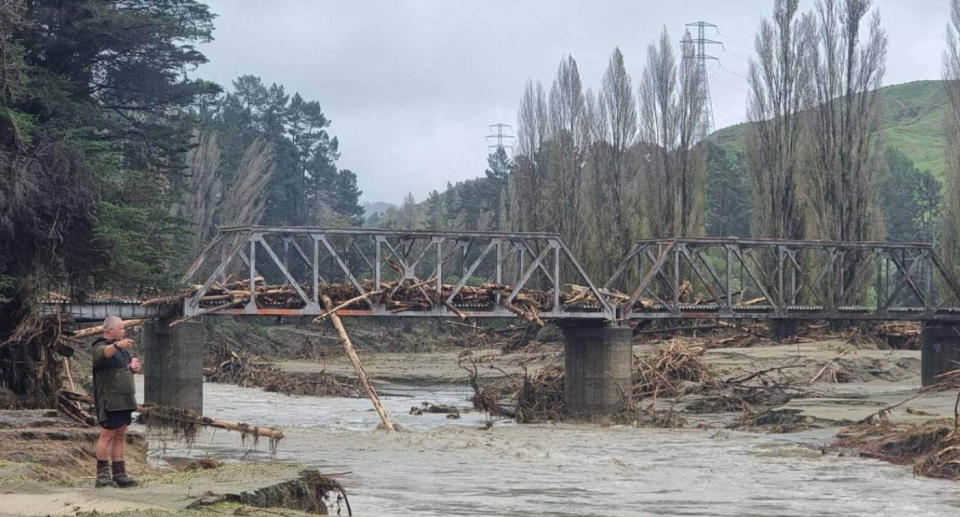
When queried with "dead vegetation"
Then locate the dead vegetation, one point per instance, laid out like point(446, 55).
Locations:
point(526, 398)
point(676, 380)
point(933, 448)
point(310, 492)
point(31, 368)
point(226, 362)
point(396, 296)
point(670, 372)
point(427, 408)
point(670, 376)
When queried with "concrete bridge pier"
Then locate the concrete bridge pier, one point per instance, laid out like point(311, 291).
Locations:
point(783, 328)
point(173, 364)
point(940, 351)
point(597, 363)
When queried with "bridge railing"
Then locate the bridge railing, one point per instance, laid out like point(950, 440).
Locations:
point(444, 266)
point(767, 278)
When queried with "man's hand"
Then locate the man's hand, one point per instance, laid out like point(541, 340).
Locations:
point(135, 366)
point(124, 343)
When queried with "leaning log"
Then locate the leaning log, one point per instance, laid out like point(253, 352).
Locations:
point(357, 365)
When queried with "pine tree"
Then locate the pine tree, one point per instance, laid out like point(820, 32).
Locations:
point(910, 200)
point(728, 195)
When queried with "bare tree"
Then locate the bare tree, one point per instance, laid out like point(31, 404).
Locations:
point(847, 68)
point(570, 133)
point(246, 200)
point(204, 190)
point(672, 109)
point(950, 224)
point(618, 116)
point(779, 90)
point(610, 212)
point(596, 218)
point(524, 185)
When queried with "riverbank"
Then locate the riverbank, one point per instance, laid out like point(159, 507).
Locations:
point(47, 467)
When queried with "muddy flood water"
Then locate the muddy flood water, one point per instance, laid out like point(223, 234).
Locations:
point(441, 467)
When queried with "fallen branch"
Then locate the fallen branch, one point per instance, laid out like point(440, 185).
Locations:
point(744, 378)
point(824, 369)
point(883, 411)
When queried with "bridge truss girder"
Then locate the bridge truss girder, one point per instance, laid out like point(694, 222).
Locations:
point(713, 278)
point(307, 259)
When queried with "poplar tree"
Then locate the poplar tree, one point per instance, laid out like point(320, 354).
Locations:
point(950, 226)
point(673, 123)
point(780, 80)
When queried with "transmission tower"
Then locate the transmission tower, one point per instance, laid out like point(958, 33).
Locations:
point(696, 49)
point(499, 136)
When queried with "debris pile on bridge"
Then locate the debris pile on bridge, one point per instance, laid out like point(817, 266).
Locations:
point(396, 297)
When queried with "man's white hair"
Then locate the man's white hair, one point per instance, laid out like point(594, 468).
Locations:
point(112, 322)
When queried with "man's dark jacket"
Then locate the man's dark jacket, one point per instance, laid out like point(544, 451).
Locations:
point(113, 387)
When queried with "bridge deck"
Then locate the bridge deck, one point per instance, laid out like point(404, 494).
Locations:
point(97, 311)
point(535, 276)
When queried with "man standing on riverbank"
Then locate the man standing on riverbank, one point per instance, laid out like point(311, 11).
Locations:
point(114, 395)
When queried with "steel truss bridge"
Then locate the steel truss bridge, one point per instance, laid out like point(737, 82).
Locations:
point(698, 278)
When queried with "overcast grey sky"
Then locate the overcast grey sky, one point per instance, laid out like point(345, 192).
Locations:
point(411, 86)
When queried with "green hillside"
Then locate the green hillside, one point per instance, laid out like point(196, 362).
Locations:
point(912, 121)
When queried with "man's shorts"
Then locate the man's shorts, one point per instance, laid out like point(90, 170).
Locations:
point(117, 419)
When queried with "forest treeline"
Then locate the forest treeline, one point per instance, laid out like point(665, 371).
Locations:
point(117, 163)
point(633, 159)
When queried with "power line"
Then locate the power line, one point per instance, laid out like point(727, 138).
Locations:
point(699, 53)
point(735, 56)
point(735, 42)
point(731, 72)
point(731, 85)
point(499, 136)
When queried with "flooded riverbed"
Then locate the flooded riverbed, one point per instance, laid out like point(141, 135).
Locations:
point(440, 467)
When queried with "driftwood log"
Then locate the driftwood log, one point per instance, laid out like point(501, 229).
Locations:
point(93, 331)
point(69, 402)
point(357, 365)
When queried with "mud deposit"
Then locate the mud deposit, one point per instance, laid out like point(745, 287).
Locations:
point(453, 467)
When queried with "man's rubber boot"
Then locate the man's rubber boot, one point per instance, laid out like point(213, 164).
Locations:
point(103, 475)
point(121, 477)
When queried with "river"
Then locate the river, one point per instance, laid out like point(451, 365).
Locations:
point(440, 467)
